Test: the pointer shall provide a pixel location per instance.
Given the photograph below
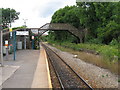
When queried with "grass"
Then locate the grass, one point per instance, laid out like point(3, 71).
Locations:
point(103, 60)
point(107, 51)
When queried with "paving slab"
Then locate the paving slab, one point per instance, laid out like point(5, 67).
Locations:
point(42, 76)
point(27, 62)
point(6, 72)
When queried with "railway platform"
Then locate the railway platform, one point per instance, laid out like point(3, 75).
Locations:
point(29, 70)
point(42, 73)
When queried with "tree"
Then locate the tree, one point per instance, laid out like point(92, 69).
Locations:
point(65, 15)
point(8, 16)
point(101, 20)
point(109, 28)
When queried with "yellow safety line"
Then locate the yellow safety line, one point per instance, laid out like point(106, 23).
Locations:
point(49, 79)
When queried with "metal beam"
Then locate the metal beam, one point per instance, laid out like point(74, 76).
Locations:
point(7, 32)
point(55, 27)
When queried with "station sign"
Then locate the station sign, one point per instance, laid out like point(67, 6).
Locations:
point(22, 33)
point(6, 43)
point(35, 31)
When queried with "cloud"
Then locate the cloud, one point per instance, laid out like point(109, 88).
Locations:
point(49, 8)
point(38, 12)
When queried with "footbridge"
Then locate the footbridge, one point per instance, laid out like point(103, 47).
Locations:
point(60, 26)
point(79, 33)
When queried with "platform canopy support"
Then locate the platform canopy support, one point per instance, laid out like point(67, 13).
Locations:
point(1, 46)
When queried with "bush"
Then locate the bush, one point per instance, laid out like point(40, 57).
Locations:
point(95, 41)
point(114, 42)
point(109, 52)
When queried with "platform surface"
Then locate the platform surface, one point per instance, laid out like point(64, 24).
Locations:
point(30, 70)
point(42, 75)
point(23, 77)
point(6, 72)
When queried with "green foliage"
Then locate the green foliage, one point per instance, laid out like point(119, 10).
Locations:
point(22, 27)
point(107, 51)
point(114, 42)
point(99, 18)
point(44, 38)
point(8, 16)
point(65, 15)
point(15, 28)
point(95, 41)
point(119, 80)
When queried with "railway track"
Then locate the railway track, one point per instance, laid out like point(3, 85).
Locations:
point(67, 77)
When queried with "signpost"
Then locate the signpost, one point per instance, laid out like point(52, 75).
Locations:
point(22, 33)
point(6, 46)
point(6, 43)
point(35, 31)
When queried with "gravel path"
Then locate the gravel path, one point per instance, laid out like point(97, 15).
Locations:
point(97, 77)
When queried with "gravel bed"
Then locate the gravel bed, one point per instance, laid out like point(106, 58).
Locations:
point(54, 79)
point(68, 77)
point(97, 77)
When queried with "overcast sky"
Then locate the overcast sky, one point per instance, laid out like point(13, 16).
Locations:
point(38, 12)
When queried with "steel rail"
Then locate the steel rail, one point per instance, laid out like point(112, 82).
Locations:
point(69, 67)
point(60, 81)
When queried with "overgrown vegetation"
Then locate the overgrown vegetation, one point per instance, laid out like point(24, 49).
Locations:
point(109, 52)
point(22, 27)
point(100, 58)
point(7, 16)
point(99, 20)
point(100, 23)
point(101, 31)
